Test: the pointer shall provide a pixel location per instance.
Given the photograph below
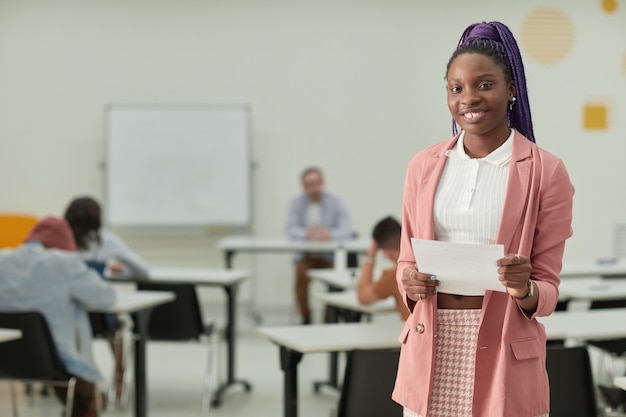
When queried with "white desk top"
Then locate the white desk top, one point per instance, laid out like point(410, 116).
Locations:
point(620, 382)
point(334, 337)
point(577, 268)
point(581, 325)
point(339, 278)
point(198, 276)
point(349, 300)
point(593, 288)
point(132, 301)
point(586, 324)
point(9, 334)
point(283, 244)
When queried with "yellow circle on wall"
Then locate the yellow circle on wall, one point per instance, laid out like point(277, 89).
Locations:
point(609, 6)
point(547, 35)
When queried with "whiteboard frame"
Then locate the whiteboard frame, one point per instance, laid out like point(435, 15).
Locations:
point(125, 224)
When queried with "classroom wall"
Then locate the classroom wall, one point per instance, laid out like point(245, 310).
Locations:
point(355, 87)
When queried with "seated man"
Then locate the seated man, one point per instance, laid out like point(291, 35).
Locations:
point(315, 215)
point(45, 274)
point(386, 235)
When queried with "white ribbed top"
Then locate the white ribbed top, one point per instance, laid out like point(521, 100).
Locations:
point(470, 196)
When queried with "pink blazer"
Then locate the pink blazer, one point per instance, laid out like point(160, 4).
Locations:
point(510, 378)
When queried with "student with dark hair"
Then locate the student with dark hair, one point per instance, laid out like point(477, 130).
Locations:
point(386, 240)
point(314, 215)
point(103, 250)
point(471, 352)
point(97, 245)
point(44, 274)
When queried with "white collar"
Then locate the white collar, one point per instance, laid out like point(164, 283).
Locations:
point(499, 157)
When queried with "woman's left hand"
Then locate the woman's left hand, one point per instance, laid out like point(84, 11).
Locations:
point(514, 272)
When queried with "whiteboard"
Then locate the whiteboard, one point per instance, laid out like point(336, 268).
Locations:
point(177, 165)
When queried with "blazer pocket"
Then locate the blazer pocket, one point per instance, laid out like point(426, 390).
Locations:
point(527, 348)
point(405, 333)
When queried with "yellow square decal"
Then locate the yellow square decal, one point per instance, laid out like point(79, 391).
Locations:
point(595, 116)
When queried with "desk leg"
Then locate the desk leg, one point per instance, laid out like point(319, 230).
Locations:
point(231, 292)
point(228, 261)
point(289, 360)
point(141, 319)
point(333, 315)
point(228, 258)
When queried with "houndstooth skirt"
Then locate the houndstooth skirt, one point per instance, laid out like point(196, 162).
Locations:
point(453, 386)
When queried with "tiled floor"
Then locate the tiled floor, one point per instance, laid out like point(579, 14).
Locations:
point(175, 372)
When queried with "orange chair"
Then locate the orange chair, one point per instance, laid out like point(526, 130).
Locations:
point(14, 227)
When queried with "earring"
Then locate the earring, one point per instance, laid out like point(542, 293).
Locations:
point(511, 103)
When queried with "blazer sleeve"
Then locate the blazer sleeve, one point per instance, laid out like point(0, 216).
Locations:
point(554, 226)
point(406, 257)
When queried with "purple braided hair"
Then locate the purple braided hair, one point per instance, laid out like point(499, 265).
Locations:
point(497, 41)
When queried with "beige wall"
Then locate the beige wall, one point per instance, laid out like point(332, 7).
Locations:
point(353, 86)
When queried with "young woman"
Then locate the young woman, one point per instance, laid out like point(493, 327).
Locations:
point(100, 249)
point(97, 245)
point(482, 353)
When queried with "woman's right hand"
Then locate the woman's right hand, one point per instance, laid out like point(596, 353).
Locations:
point(417, 285)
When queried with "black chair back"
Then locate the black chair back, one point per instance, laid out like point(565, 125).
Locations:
point(180, 319)
point(352, 258)
point(572, 390)
point(101, 325)
point(368, 382)
point(33, 356)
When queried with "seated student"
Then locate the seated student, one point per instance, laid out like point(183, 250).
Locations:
point(94, 244)
point(315, 214)
point(45, 274)
point(386, 235)
point(100, 248)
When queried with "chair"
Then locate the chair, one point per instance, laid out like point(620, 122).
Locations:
point(14, 227)
point(181, 320)
point(613, 348)
point(367, 384)
point(34, 357)
point(352, 258)
point(572, 390)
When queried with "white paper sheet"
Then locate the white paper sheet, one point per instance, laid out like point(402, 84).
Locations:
point(460, 268)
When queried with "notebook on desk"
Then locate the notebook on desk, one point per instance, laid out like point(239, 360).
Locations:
point(100, 267)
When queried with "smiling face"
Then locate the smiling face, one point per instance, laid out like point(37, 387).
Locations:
point(478, 98)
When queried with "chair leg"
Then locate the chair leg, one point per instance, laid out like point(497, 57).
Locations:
point(209, 374)
point(112, 389)
point(127, 377)
point(69, 399)
point(13, 399)
point(119, 388)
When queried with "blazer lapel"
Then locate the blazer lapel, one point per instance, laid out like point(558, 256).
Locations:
point(431, 174)
point(518, 189)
